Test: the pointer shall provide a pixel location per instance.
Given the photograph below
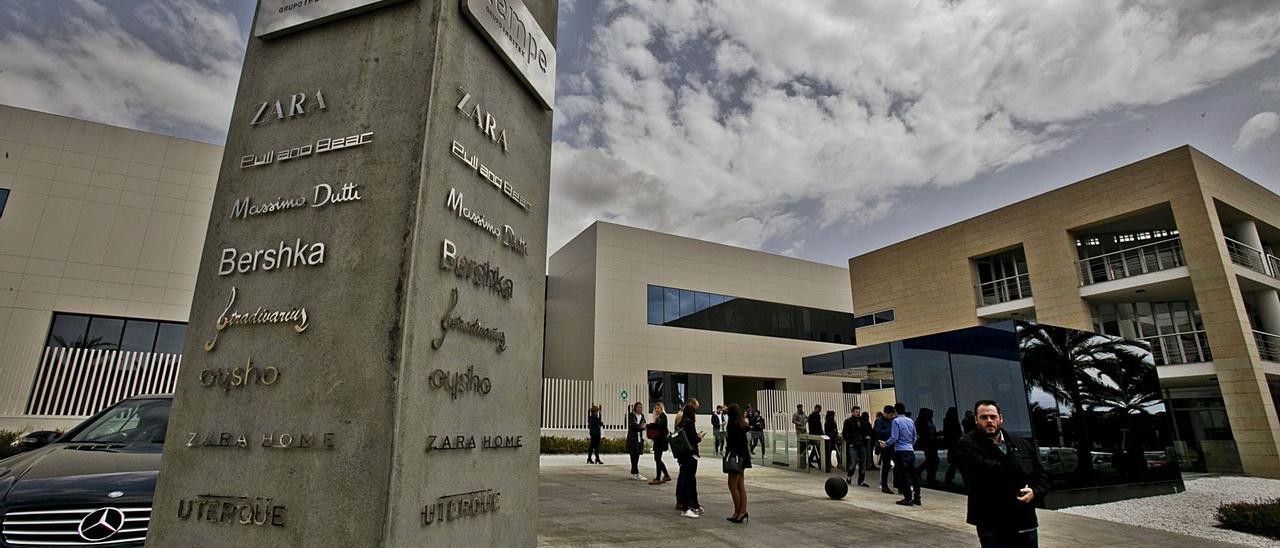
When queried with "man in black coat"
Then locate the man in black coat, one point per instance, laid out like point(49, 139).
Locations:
point(1006, 481)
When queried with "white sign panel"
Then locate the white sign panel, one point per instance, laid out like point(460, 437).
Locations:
point(509, 26)
point(277, 17)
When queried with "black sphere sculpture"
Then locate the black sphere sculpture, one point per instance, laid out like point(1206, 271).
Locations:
point(836, 488)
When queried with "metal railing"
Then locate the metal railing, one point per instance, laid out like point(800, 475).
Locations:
point(78, 382)
point(565, 402)
point(1143, 259)
point(1247, 256)
point(1268, 346)
point(1179, 348)
point(1004, 290)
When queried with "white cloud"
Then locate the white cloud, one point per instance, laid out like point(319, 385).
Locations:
point(755, 123)
point(1270, 85)
point(1259, 128)
point(95, 68)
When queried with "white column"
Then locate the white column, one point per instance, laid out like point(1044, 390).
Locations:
point(1247, 233)
point(1267, 302)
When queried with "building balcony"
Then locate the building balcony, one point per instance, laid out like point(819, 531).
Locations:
point(1135, 261)
point(1180, 348)
point(1004, 290)
point(1268, 346)
point(1253, 258)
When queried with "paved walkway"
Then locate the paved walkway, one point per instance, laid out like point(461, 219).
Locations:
point(587, 505)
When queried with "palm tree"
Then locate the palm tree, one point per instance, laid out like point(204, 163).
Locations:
point(82, 342)
point(1070, 366)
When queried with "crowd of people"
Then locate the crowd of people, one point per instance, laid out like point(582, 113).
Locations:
point(1002, 473)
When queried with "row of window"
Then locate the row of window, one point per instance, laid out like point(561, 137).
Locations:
point(698, 310)
point(674, 389)
point(108, 333)
point(874, 318)
point(1127, 237)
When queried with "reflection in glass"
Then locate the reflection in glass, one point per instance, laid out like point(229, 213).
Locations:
point(139, 336)
point(170, 337)
point(710, 311)
point(105, 333)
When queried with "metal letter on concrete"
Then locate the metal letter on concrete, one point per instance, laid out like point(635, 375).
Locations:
point(372, 299)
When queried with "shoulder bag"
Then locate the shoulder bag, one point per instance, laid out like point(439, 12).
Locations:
point(679, 444)
point(732, 463)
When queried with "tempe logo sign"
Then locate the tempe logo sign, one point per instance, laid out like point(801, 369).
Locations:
point(280, 17)
point(509, 26)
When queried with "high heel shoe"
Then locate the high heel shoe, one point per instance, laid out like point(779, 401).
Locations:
point(739, 519)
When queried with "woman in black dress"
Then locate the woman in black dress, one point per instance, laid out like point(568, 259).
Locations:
point(736, 448)
point(635, 438)
point(832, 432)
point(660, 444)
point(594, 426)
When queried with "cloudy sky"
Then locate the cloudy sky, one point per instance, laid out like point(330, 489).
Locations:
point(819, 129)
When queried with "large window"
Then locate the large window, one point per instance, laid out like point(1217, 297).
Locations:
point(674, 389)
point(107, 333)
point(1173, 329)
point(4, 199)
point(698, 310)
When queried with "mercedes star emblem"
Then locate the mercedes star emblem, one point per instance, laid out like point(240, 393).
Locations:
point(100, 524)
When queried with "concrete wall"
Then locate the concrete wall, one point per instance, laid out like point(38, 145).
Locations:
point(929, 279)
point(626, 347)
point(571, 304)
point(100, 220)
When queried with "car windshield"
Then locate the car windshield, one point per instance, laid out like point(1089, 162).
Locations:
point(130, 421)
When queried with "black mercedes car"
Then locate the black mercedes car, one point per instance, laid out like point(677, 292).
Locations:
point(90, 487)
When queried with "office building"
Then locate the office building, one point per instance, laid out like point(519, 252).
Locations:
point(1175, 250)
point(101, 230)
point(689, 318)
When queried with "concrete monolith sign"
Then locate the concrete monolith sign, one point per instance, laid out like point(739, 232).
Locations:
point(363, 358)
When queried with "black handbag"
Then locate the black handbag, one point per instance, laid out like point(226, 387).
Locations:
point(679, 444)
point(732, 463)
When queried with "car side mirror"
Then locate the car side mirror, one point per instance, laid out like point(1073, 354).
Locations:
point(38, 439)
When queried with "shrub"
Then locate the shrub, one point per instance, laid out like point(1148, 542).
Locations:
point(1259, 518)
point(9, 443)
point(559, 445)
point(10, 437)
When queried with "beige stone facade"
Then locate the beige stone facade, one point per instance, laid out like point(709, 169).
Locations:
point(929, 281)
point(597, 323)
point(99, 220)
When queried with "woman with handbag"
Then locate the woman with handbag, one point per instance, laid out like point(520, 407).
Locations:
point(687, 480)
point(635, 438)
point(737, 459)
point(658, 432)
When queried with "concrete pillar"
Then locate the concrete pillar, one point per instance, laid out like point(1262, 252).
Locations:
point(1267, 303)
point(1247, 233)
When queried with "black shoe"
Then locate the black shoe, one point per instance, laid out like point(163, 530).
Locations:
point(904, 502)
point(886, 490)
point(848, 480)
point(915, 502)
point(863, 484)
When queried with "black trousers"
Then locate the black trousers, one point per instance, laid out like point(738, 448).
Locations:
point(661, 466)
point(687, 484)
point(991, 538)
point(635, 463)
point(594, 449)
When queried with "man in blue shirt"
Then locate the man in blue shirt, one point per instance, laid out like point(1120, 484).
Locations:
point(902, 440)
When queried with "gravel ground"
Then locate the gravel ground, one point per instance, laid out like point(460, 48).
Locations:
point(1192, 511)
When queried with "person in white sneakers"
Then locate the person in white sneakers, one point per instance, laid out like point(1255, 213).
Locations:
point(635, 438)
point(686, 481)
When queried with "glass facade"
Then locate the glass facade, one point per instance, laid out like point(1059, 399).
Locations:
point(1091, 403)
point(107, 333)
point(713, 312)
point(674, 389)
